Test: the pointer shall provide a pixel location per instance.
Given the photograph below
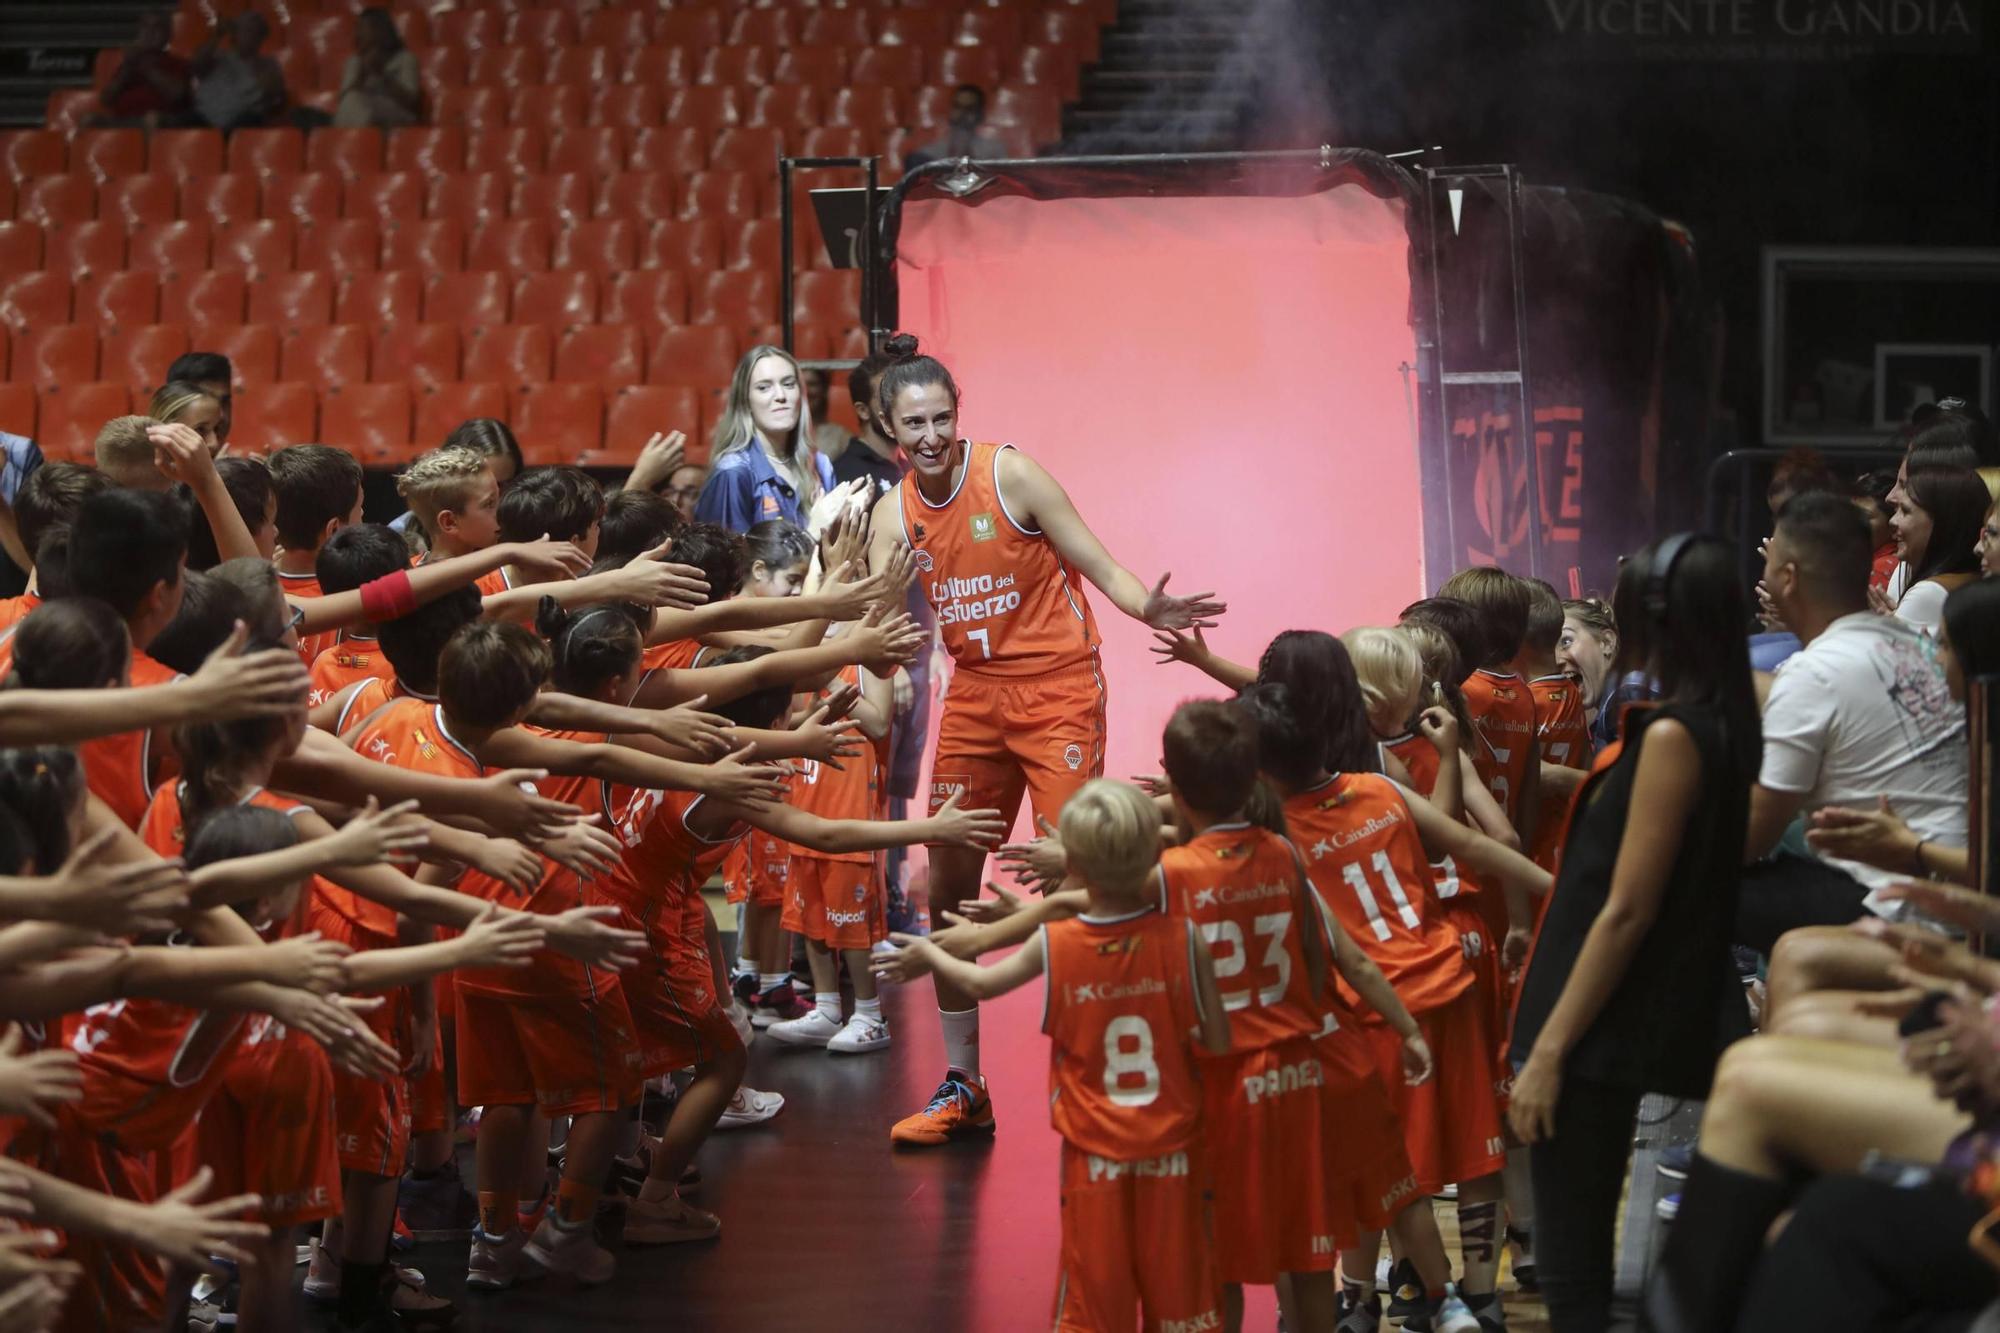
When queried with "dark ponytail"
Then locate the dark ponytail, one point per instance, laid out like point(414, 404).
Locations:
point(42, 784)
point(909, 370)
point(214, 755)
point(590, 646)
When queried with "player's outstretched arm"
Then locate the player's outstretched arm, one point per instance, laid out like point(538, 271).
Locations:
point(950, 826)
point(495, 939)
point(731, 778)
point(175, 1229)
point(981, 983)
point(1447, 837)
point(1013, 921)
point(434, 578)
point(324, 768)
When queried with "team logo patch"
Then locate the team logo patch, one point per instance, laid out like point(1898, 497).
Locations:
point(1073, 756)
point(982, 528)
point(924, 561)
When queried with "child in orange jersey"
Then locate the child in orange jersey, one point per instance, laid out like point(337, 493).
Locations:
point(455, 501)
point(319, 492)
point(1368, 846)
point(1562, 723)
point(1132, 999)
point(353, 555)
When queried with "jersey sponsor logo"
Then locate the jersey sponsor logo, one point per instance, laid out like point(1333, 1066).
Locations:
point(378, 748)
point(1324, 1245)
point(982, 597)
point(1334, 841)
point(1116, 990)
point(298, 1200)
point(1306, 1073)
point(1230, 893)
point(1157, 1168)
point(1406, 1188)
point(846, 918)
point(1073, 756)
point(982, 528)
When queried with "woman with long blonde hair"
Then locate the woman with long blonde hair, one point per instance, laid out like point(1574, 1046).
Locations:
point(761, 462)
point(179, 403)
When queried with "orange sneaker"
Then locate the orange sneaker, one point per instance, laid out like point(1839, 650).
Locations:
point(959, 1109)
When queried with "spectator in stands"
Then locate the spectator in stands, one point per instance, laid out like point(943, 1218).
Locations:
point(213, 375)
point(828, 437)
point(149, 89)
point(684, 488)
point(1871, 496)
point(1863, 710)
point(764, 463)
point(494, 439)
point(1937, 522)
point(962, 137)
point(181, 403)
point(235, 83)
point(380, 85)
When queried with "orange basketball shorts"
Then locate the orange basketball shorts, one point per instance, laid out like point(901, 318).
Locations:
point(371, 1116)
point(838, 904)
point(1451, 1121)
point(269, 1129)
point(121, 1286)
point(755, 870)
point(1136, 1237)
point(677, 1018)
point(1369, 1179)
point(1264, 1119)
point(567, 1054)
point(1000, 737)
point(1481, 940)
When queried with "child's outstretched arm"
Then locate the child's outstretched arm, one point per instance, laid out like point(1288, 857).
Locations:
point(981, 983)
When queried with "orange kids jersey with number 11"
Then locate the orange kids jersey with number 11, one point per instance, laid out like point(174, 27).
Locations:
point(1025, 708)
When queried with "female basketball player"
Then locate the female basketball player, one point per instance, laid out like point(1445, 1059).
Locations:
point(999, 548)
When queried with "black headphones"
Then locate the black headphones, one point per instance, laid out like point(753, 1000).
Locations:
point(1662, 569)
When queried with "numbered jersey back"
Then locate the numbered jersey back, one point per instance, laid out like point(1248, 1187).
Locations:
point(1367, 862)
point(1503, 711)
point(1238, 885)
point(1120, 1005)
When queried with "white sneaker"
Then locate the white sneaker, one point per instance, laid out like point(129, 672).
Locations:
point(1453, 1317)
point(572, 1252)
point(750, 1107)
point(815, 1029)
point(495, 1262)
point(323, 1274)
point(860, 1034)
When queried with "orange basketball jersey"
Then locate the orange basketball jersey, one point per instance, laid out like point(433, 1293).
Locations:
point(344, 661)
point(409, 734)
point(666, 860)
point(307, 585)
point(847, 792)
point(119, 768)
point(13, 610)
point(1007, 604)
point(1560, 722)
point(1364, 856)
point(1422, 762)
point(1119, 1008)
point(1237, 883)
point(1503, 711)
point(673, 655)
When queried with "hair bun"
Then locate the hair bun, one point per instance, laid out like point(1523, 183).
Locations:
point(902, 346)
point(550, 618)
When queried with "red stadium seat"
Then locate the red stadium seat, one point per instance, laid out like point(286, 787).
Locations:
point(60, 201)
point(300, 68)
point(833, 29)
point(695, 28)
point(650, 298)
point(755, 244)
point(252, 349)
point(303, 197)
point(441, 69)
point(738, 298)
point(393, 196)
point(36, 300)
point(1066, 28)
point(504, 67)
point(267, 152)
point(752, 151)
point(660, 66)
point(677, 150)
point(597, 151)
point(628, 105)
point(429, 149)
point(185, 154)
point(104, 154)
point(17, 410)
point(340, 245)
point(1036, 109)
point(820, 68)
point(791, 108)
point(864, 106)
point(202, 298)
point(330, 356)
point(441, 407)
point(930, 105)
point(1050, 67)
point(25, 153)
point(472, 301)
point(762, 27)
point(737, 64)
point(7, 197)
point(639, 196)
point(834, 141)
point(84, 248)
point(995, 28)
point(518, 245)
point(810, 342)
point(259, 249)
point(689, 245)
point(471, 198)
point(620, 29)
point(721, 194)
point(469, 28)
point(549, 107)
point(583, 66)
point(887, 66)
point(509, 354)
point(829, 296)
point(474, 108)
point(919, 28)
point(379, 299)
point(557, 199)
point(611, 354)
point(557, 300)
point(516, 149)
point(635, 413)
point(271, 416)
point(431, 246)
point(71, 415)
point(107, 301)
point(543, 28)
point(138, 357)
point(325, 35)
point(706, 108)
point(609, 245)
point(69, 108)
point(426, 355)
point(558, 423)
point(348, 153)
point(700, 356)
point(56, 354)
point(20, 246)
point(372, 421)
point(292, 301)
point(217, 200)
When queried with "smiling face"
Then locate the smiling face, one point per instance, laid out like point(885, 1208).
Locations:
point(1586, 656)
point(1912, 527)
point(775, 397)
point(924, 422)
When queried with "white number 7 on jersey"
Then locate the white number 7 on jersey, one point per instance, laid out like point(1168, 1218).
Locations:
point(985, 643)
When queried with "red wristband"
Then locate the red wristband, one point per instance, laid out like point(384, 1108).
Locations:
point(388, 598)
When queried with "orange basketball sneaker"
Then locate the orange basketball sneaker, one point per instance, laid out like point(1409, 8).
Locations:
point(958, 1109)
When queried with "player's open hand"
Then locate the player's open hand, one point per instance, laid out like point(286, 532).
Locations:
point(955, 827)
point(1196, 611)
point(513, 864)
point(649, 580)
point(193, 1235)
point(829, 742)
point(231, 686)
point(957, 937)
point(660, 457)
point(126, 898)
point(582, 846)
point(334, 1021)
point(508, 800)
point(1003, 904)
point(911, 959)
point(1040, 864)
point(839, 699)
point(375, 835)
point(687, 726)
point(738, 779)
point(585, 934)
point(883, 642)
point(550, 558)
point(33, 1083)
point(501, 937)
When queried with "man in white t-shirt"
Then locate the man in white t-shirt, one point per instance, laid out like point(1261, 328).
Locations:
point(1861, 711)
